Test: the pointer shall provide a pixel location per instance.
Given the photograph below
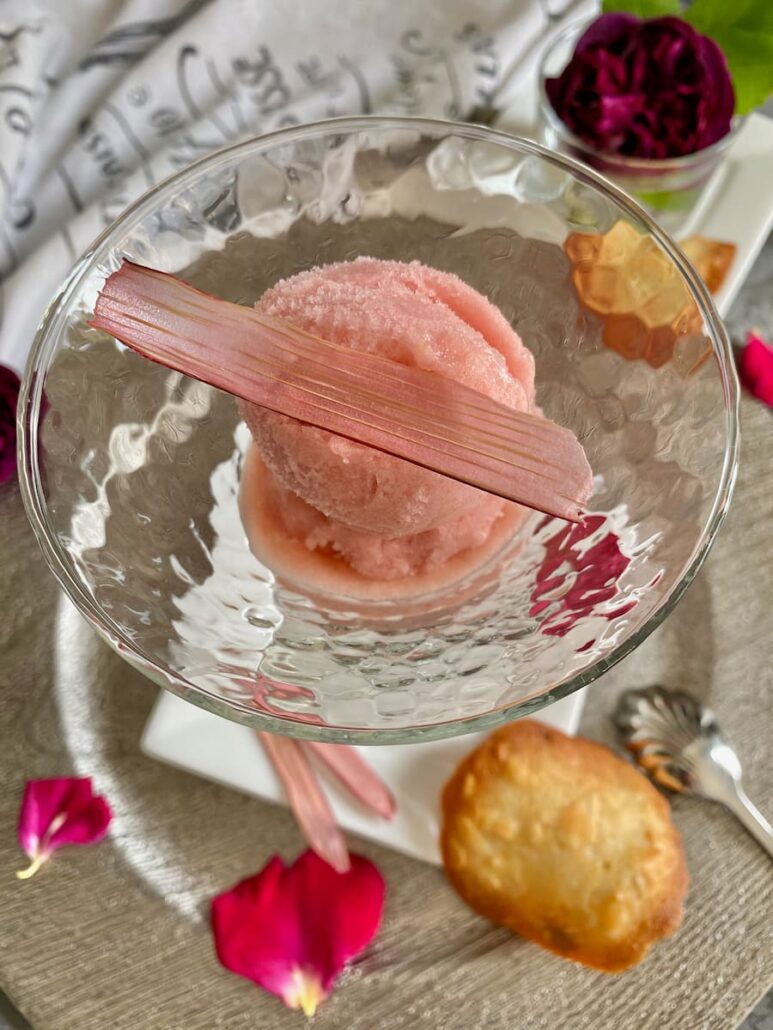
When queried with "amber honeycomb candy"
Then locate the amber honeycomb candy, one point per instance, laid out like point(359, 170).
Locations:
point(626, 278)
point(712, 259)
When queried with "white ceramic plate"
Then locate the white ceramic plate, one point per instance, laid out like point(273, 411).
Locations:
point(188, 737)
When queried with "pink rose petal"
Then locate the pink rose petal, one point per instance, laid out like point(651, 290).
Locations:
point(755, 368)
point(57, 812)
point(291, 930)
point(9, 396)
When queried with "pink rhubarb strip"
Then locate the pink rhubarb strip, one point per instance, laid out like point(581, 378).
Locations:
point(309, 805)
point(356, 775)
point(413, 414)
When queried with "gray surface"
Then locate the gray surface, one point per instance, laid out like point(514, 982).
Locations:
point(762, 1017)
point(11, 1020)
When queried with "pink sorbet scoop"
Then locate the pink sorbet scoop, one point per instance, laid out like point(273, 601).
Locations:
point(388, 518)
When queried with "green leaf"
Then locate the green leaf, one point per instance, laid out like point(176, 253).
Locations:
point(675, 200)
point(711, 15)
point(743, 29)
point(642, 8)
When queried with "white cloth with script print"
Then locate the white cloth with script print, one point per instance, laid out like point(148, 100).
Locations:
point(101, 99)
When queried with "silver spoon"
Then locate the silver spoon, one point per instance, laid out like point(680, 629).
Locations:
point(676, 740)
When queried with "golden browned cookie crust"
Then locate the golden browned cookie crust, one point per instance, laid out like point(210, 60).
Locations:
point(560, 840)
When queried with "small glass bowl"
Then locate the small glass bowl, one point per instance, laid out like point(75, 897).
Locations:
point(669, 188)
point(130, 473)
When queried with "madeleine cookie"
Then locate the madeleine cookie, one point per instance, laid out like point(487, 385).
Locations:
point(560, 840)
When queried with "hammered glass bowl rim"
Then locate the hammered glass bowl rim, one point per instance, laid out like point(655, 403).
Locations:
point(47, 337)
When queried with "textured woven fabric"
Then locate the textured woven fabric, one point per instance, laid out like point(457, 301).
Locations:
point(102, 99)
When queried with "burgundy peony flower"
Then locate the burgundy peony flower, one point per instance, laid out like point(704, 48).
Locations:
point(9, 395)
point(649, 89)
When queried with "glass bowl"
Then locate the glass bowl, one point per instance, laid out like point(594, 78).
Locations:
point(669, 187)
point(130, 472)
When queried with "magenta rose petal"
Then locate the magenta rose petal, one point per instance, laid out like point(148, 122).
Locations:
point(9, 398)
point(292, 930)
point(57, 812)
point(755, 368)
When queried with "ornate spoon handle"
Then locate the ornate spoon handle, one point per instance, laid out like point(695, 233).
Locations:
point(750, 817)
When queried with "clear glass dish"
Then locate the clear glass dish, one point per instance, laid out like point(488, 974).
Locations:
point(670, 187)
point(130, 472)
